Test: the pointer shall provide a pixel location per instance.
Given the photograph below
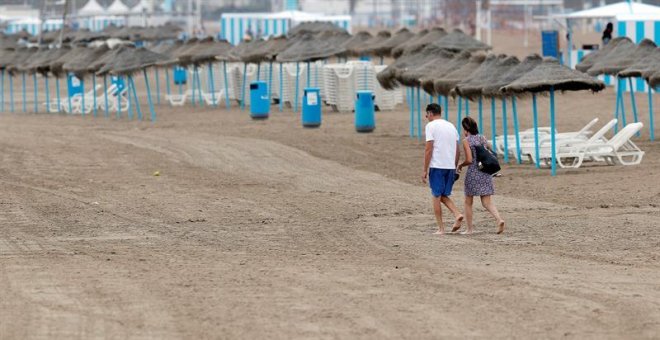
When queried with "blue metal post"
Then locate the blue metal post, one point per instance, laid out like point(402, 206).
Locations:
point(467, 108)
point(2, 90)
point(129, 112)
point(652, 133)
point(505, 131)
point(137, 103)
point(82, 86)
point(199, 87)
point(295, 108)
point(281, 93)
point(151, 103)
point(447, 108)
point(633, 102)
point(128, 95)
point(258, 71)
point(493, 124)
point(224, 70)
point(57, 90)
point(212, 82)
point(411, 106)
point(270, 82)
point(36, 86)
point(157, 85)
point(309, 75)
point(105, 94)
point(167, 83)
point(618, 105)
point(11, 92)
point(537, 152)
point(459, 116)
point(552, 131)
point(47, 93)
point(24, 100)
point(514, 105)
point(481, 113)
point(621, 102)
point(419, 114)
point(193, 80)
point(94, 87)
point(244, 84)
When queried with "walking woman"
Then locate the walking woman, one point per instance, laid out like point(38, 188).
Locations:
point(477, 183)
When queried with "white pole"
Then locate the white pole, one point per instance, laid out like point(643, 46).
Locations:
point(525, 28)
point(477, 31)
point(490, 25)
point(190, 18)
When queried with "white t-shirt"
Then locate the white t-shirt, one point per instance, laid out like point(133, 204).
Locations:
point(444, 137)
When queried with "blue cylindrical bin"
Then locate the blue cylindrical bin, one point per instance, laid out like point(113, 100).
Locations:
point(180, 75)
point(364, 112)
point(311, 110)
point(259, 102)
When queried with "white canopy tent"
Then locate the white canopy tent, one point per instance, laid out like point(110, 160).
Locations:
point(118, 7)
point(613, 10)
point(91, 8)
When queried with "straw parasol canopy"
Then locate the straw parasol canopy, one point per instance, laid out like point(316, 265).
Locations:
point(314, 28)
point(335, 38)
point(639, 67)
point(205, 50)
point(397, 51)
point(357, 41)
point(177, 50)
point(21, 65)
point(9, 56)
point(384, 49)
point(39, 63)
point(492, 88)
point(445, 84)
point(373, 41)
point(459, 41)
point(266, 51)
point(473, 87)
point(654, 80)
point(80, 64)
point(432, 36)
point(7, 42)
point(309, 48)
point(590, 59)
point(130, 60)
point(551, 75)
point(411, 76)
point(625, 50)
point(441, 69)
point(389, 77)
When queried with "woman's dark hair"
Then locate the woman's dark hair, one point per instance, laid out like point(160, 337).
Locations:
point(470, 125)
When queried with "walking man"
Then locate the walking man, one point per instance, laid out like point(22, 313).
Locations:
point(441, 156)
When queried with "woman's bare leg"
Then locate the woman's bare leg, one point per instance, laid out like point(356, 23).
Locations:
point(468, 214)
point(487, 202)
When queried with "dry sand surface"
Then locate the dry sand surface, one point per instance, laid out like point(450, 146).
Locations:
point(263, 229)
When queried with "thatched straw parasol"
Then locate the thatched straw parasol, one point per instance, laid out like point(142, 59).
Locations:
point(266, 51)
point(440, 70)
point(384, 49)
point(81, 64)
point(494, 85)
point(590, 59)
point(314, 28)
point(204, 51)
point(550, 75)
point(9, 55)
point(433, 36)
point(397, 51)
point(654, 80)
point(379, 38)
point(39, 64)
point(177, 50)
point(308, 48)
point(619, 58)
point(477, 65)
point(459, 41)
point(129, 60)
point(55, 65)
point(642, 65)
point(244, 48)
point(412, 75)
point(21, 65)
point(7, 42)
point(357, 41)
point(388, 78)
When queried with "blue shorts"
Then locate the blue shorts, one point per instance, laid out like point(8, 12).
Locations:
point(441, 181)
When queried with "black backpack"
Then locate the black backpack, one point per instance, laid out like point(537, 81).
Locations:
point(486, 161)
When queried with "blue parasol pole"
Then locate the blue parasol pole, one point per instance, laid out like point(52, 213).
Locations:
point(224, 70)
point(281, 93)
point(94, 87)
point(459, 116)
point(258, 71)
point(419, 114)
point(447, 107)
point(69, 98)
point(505, 131)
point(535, 110)
point(167, 83)
point(411, 107)
point(36, 86)
point(151, 103)
point(309, 75)
point(467, 107)
point(493, 125)
point(47, 93)
point(135, 98)
point(82, 85)
point(621, 102)
point(199, 87)
point(57, 90)
point(632, 100)
point(552, 131)
point(295, 108)
point(2, 90)
point(24, 100)
point(652, 135)
point(129, 112)
point(128, 92)
point(618, 105)
point(243, 89)
point(180, 85)
point(481, 113)
point(157, 85)
point(11, 92)
point(194, 86)
point(105, 94)
point(212, 82)
point(270, 82)
point(514, 105)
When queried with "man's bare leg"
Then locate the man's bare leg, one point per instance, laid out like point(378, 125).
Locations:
point(437, 210)
point(487, 202)
point(458, 217)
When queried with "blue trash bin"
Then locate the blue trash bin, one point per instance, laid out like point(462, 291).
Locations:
point(365, 120)
point(311, 110)
point(259, 102)
point(180, 75)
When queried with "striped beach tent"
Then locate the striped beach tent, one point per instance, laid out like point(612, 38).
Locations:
point(637, 28)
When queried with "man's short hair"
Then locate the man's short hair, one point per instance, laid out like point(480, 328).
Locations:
point(434, 108)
